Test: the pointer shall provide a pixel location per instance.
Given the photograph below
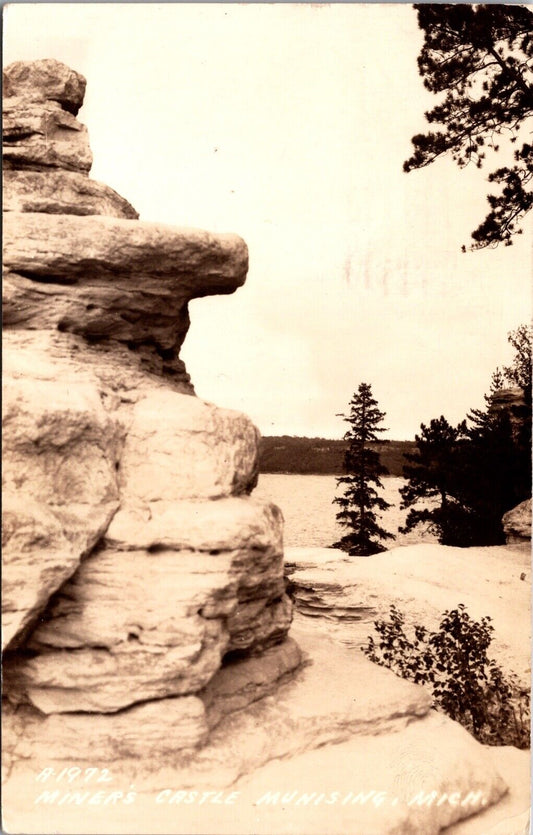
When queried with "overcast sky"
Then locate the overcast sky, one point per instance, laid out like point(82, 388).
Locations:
point(289, 124)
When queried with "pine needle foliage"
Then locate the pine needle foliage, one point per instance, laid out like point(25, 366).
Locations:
point(467, 476)
point(360, 499)
point(478, 59)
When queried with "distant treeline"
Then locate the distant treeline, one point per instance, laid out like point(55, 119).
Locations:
point(320, 456)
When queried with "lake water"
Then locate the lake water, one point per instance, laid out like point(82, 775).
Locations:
point(306, 502)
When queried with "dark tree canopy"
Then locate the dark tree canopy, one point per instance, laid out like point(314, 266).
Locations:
point(519, 373)
point(475, 472)
point(479, 60)
point(432, 475)
point(360, 499)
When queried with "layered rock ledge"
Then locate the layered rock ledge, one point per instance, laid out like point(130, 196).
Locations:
point(46, 152)
point(346, 595)
point(371, 757)
point(113, 280)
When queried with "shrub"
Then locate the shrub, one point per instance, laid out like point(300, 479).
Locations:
point(467, 685)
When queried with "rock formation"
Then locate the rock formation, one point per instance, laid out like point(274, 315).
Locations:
point(135, 561)
point(517, 524)
point(46, 151)
point(145, 619)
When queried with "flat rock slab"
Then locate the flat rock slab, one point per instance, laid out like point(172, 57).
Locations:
point(346, 594)
point(419, 780)
point(115, 280)
point(65, 249)
point(511, 816)
point(222, 525)
point(365, 755)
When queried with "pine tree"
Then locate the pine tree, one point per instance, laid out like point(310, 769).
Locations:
point(363, 469)
point(493, 474)
point(497, 383)
point(474, 469)
point(477, 58)
point(434, 472)
point(519, 372)
point(478, 470)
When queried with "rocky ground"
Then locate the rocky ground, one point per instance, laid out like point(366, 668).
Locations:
point(342, 745)
point(424, 580)
point(342, 597)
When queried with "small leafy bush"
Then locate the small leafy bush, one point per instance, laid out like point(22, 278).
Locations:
point(467, 685)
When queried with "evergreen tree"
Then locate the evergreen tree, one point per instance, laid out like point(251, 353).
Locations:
point(519, 372)
point(492, 474)
point(477, 470)
point(433, 475)
point(360, 500)
point(480, 469)
point(497, 383)
point(478, 59)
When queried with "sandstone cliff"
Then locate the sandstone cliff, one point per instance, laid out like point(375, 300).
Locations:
point(145, 620)
point(134, 559)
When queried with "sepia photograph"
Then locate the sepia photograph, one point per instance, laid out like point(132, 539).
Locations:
point(266, 418)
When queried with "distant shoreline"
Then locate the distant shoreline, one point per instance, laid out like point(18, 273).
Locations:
point(289, 455)
point(332, 475)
